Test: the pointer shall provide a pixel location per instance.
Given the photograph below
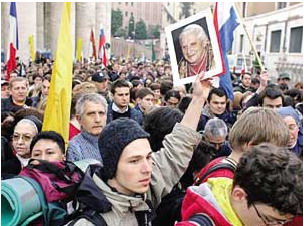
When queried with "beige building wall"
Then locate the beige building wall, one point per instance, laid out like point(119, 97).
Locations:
point(256, 8)
point(149, 12)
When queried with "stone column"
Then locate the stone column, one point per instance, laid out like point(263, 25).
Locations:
point(73, 27)
point(84, 22)
point(103, 19)
point(26, 13)
point(52, 13)
point(40, 26)
point(4, 27)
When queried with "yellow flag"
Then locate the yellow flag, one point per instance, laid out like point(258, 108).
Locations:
point(79, 50)
point(57, 112)
point(128, 53)
point(32, 50)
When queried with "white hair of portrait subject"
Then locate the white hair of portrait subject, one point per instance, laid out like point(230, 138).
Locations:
point(193, 28)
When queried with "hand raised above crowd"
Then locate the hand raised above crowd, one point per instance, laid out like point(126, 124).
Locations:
point(201, 86)
point(264, 78)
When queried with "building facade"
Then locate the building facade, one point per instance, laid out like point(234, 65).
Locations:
point(149, 12)
point(42, 20)
point(276, 29)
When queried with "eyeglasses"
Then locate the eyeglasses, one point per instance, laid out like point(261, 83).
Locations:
point(266, 222)
point(24, 137)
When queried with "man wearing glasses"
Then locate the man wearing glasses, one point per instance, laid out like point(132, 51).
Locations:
point(267, 189)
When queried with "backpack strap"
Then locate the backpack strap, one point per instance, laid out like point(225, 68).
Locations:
point(230, 165)
point(201, 219)
point(90, 215)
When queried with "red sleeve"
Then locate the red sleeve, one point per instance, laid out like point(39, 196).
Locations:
point(297, 221)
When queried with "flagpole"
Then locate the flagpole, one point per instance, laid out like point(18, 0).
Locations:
point(249, 38)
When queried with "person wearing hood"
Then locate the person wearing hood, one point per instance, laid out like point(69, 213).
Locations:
point(24, 132)
point(292, 120)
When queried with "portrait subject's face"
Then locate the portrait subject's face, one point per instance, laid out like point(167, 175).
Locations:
point(192, 48)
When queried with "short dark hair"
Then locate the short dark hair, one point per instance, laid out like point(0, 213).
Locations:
point(46, 77)
point(172, 93)
point(246, 73)
point(273, 176)
point(155, 86)
point(272, 93)
point(36, 76)
point(255, 81)
point(49, 135)
point(165, 86)
point(217, 91)
point(296, 94)
point(144, 92)
point(136, 82)
point(119, 84)
point(159, 122)
point(184, 103)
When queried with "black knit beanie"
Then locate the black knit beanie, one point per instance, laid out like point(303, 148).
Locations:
point(113, 139)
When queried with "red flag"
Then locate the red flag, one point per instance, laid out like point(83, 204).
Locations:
point(104, 58)
point(13, 40)
point(92, 39)
point(101, 48)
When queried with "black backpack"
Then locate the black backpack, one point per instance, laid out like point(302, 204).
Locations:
point(169, 210)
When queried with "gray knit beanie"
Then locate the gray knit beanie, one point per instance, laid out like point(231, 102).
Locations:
point(113, 139)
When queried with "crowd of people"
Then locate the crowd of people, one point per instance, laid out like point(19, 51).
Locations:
point(168, 155)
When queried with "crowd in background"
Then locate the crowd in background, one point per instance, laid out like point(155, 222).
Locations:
point(144, 92)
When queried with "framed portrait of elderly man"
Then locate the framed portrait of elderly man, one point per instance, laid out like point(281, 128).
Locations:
point(193, 48)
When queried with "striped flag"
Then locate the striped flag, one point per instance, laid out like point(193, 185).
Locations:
point(225, 22)
point(102, 48)
point(92, 39)
point(13, 40)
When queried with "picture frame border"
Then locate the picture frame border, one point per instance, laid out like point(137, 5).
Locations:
point(213, 35)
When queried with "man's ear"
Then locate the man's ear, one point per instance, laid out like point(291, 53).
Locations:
point(78, 118)
point(248, 145)
point(238, 194)
point(138, 100)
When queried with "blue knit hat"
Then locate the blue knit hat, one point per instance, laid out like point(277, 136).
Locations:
point(113, 139)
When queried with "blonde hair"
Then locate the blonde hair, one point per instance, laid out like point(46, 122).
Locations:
point(257, 125)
